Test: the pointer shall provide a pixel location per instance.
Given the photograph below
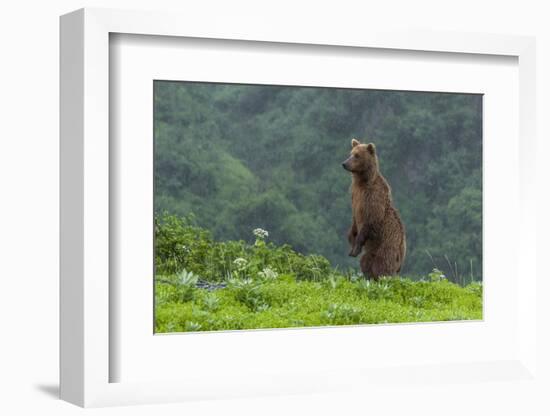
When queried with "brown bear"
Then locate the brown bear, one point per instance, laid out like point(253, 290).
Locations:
point(376, 225)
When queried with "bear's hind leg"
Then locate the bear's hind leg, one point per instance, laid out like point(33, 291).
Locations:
point(366, 263)
point(385, 263)
point(378, 268)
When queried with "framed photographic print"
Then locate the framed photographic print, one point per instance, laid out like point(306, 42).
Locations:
point(278, 213)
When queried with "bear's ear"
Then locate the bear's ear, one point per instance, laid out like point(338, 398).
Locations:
point(371, 148)
point(354, 142)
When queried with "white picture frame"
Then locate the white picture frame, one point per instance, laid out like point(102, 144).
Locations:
point(86, 356)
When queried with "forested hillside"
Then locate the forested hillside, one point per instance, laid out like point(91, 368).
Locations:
point(239, 157)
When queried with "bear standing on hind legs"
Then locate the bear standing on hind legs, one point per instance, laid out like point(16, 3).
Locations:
point(376, 226)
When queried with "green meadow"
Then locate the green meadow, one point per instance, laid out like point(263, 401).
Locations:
point(206, 285)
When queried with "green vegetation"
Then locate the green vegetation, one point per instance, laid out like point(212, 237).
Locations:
point(204, 285)
point(245, 156)
point(182, 245)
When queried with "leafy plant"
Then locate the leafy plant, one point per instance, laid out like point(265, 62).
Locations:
point(373, 290)
point(248, 292)
point(186, 285)
point(436, 275)
point(342, 314)
point(192, 326)
point(332, 281)
point(211, 302)
point(268, 274)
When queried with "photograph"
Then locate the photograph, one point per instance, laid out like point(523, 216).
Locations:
point(280, 206)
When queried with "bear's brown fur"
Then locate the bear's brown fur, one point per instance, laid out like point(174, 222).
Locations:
point(376, 226)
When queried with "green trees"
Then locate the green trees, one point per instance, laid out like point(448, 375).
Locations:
point(241, 157)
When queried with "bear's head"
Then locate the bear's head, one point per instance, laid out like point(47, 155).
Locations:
point(362, 160)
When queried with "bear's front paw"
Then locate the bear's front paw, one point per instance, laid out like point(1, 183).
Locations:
point(355, 251)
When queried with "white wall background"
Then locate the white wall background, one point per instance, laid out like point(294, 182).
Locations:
point(29, 115)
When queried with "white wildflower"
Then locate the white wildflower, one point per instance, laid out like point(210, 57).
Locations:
point(260, 233)
point(240, 263)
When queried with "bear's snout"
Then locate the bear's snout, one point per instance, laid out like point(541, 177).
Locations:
point(345, 164)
